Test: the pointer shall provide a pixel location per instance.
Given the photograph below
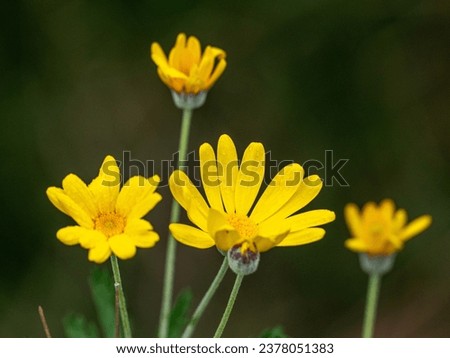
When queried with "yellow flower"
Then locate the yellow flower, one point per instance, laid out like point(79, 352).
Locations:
point(381, 230)
point(109, 218)
point(231, 219)
point(187, 70)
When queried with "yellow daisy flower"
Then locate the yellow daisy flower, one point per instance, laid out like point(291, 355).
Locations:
point(109, 218)
point(381, 230)
point(188, 72)
point(231, 219)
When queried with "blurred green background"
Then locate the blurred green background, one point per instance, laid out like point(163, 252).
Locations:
point(367, 79)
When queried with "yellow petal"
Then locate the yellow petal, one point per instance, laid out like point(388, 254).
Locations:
point(303, 237)
point(145, 241)
point(78, 191)
point(206, 64)
point(62, 202)
point(141, 234)
point(278, 193)
point(228, 168)
point(217, 52)
point(218, 70)
point(226, 238)
point(186, 62)
point(138, 197)
point(176, 54)
point(122, 246)
point(396, 242)
point(105, 188)
point(191, 236)
point(171, 72)
point(270, 234)
point(206, 71)
point(357, 245)
point(144, 206)
point(70, 235)
point(187, 195)
point(225, 235)
point(184, 191)
point(91, 238)
point(100, 253)
point(387, 208)
point(170, 80)
point(193, 44)
point(197, 216)
point(370, 212)
point(249, 178)
point(210, 179)
point(157, 54)
point(194, 84)
point(306, 192)
point(137, 226)
point(353, 219)
point(310, 219)
point(415, 227)
point(400, 218)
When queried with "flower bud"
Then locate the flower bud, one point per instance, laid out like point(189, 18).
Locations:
point(242, 262)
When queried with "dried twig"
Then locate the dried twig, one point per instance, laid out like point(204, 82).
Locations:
point(44, 322)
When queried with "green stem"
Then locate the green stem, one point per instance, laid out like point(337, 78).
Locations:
point(229, 307)
point(169, 271)
point(122, 303)
point(373, 290)
point(206, 299)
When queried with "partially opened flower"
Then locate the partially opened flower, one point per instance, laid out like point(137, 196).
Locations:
point(381, 230)
point(378, 233)
point(232, 219)
point(187, 71)
point(109, 218)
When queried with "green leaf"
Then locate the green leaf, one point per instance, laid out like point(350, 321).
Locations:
point(103, 295)
point(179, 314)
point(275, 332)
point(76, 326)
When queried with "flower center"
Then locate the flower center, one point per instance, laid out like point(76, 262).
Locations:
point(378, 236)
point(245, 227)
point(110, 224)
point(377, 230)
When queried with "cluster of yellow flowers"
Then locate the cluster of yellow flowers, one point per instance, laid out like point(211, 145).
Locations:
point(110, 219)
point(233, 216)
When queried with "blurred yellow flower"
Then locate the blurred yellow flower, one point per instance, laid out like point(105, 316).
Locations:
point(231, 219)
point(381, 230)
point(187, 70)
point(109, 218)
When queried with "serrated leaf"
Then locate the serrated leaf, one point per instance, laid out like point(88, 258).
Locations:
point(77, 326)
point(275, 332)
point(103, 295)
point(179, 314)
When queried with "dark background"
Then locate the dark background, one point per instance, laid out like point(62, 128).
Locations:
point(366, 79)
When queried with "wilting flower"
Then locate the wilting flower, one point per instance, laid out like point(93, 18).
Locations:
point(231, 220)
point(381, 230)
point(109, 218)
point(188, 72)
